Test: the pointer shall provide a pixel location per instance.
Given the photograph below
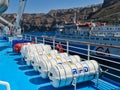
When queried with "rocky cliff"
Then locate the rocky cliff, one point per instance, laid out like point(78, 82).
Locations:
point(110, 12)
point(109, 2)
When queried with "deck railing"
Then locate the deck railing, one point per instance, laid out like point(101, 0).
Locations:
point(110, 64)
point(5, 84)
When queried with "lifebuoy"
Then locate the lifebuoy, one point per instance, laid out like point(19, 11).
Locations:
point(59, 48)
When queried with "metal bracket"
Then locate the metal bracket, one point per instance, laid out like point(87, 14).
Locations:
point(74, 83)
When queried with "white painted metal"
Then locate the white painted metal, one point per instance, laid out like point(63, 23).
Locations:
point(5, 21)
point(6, 84)
point(19, 17)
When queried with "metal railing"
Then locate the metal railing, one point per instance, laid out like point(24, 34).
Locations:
point(5, 84)
point(86, 51)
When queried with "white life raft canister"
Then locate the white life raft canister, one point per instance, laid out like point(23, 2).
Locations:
point(63, 74)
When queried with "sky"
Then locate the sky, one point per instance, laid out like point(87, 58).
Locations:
point(44, 6)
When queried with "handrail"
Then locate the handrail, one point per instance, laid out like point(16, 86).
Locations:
point(80, 42)
point(6, 84)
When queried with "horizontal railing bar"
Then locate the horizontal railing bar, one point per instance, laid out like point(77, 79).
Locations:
point(110, 67)
point(105, 53)
point(105, 59)
point(112, 74)
point(39, 41)
point(48, 42)
point(62, 44)
point(78, 53)
point(78, 48)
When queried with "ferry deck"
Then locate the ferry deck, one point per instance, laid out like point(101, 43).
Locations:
point(17, 75)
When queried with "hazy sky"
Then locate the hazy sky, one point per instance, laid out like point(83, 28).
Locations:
point(43, 6)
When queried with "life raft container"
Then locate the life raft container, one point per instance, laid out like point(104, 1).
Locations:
point(63, 74)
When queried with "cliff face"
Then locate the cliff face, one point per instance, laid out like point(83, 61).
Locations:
point(110, 12)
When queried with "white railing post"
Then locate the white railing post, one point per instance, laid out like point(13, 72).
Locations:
point(67, 47)
point(54, 43)
point(97, 82)
point(6, 84)
point(30, 38)
point(35, 39)
point(74, 83)
point(43, 40)
point(88, 51)
point(25, 37)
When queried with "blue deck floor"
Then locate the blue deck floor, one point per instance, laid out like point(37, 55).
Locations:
point(23, 77)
